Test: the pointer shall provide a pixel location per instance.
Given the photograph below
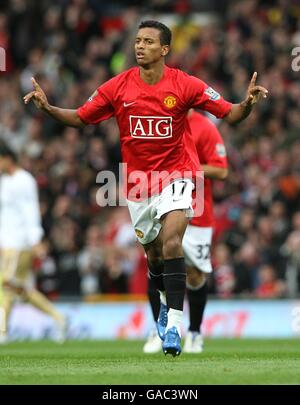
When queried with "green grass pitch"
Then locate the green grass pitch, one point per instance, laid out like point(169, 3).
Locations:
point(224, 361)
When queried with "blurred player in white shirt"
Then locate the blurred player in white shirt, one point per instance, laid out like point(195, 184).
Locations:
point(20, 237)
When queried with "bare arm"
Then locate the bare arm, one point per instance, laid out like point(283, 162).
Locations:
point(65, 116)
point(240, 111)
point(213, 172)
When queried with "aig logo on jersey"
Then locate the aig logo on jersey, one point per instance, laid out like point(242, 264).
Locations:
point(146, 127)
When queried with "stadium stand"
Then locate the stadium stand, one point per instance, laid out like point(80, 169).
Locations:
point(71, 47)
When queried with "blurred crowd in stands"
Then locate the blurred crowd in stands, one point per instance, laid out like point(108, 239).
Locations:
point(71, 47)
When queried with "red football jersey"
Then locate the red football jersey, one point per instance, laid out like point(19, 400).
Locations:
point(152, 121)
point(211, 151)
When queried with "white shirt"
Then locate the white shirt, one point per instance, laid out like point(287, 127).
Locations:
point(20, 221)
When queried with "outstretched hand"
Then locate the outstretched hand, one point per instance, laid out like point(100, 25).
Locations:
point(254, 92)
point(37, 95)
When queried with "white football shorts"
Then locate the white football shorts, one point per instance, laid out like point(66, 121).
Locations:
point(145, 215)
point(196, 247)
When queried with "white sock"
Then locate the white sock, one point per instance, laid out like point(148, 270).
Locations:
point(174, 319)
point(163, 299)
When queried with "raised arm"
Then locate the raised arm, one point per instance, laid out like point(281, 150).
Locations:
point(65, 116)
point(240, 111)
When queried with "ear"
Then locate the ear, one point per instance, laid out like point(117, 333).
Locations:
point(165, 50)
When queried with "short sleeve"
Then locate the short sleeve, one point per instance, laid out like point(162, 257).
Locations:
point(200, 95)
point(215, 149)
point(99, 106)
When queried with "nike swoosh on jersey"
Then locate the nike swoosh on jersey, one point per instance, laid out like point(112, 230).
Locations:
point(128, 104)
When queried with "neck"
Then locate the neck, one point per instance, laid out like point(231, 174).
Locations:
point(12, 169)
point(152, 74)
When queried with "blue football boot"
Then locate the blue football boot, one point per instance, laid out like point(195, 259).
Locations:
point(171, 343)
point(162, 320)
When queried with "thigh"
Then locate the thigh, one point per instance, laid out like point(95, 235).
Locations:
point(174, 224)
point(9, 259)
point(196, 247)
point(153, 249)
point(24, 268)
point(16, 266)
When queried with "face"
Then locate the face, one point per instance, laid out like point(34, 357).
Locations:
point(148, 48)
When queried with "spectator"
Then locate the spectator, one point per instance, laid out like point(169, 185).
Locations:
point(268, 284)
point(262, 192)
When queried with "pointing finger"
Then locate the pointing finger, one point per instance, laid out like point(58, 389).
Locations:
point(35, 84)
point(253, 79)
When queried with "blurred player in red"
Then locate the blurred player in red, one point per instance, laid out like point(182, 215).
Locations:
point(150, 103)
point(198, 235)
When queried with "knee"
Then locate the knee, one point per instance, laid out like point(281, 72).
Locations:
point(172, 247)
point(195, 278)
point(154, 257)
point(154, 254)
point(9, 287)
